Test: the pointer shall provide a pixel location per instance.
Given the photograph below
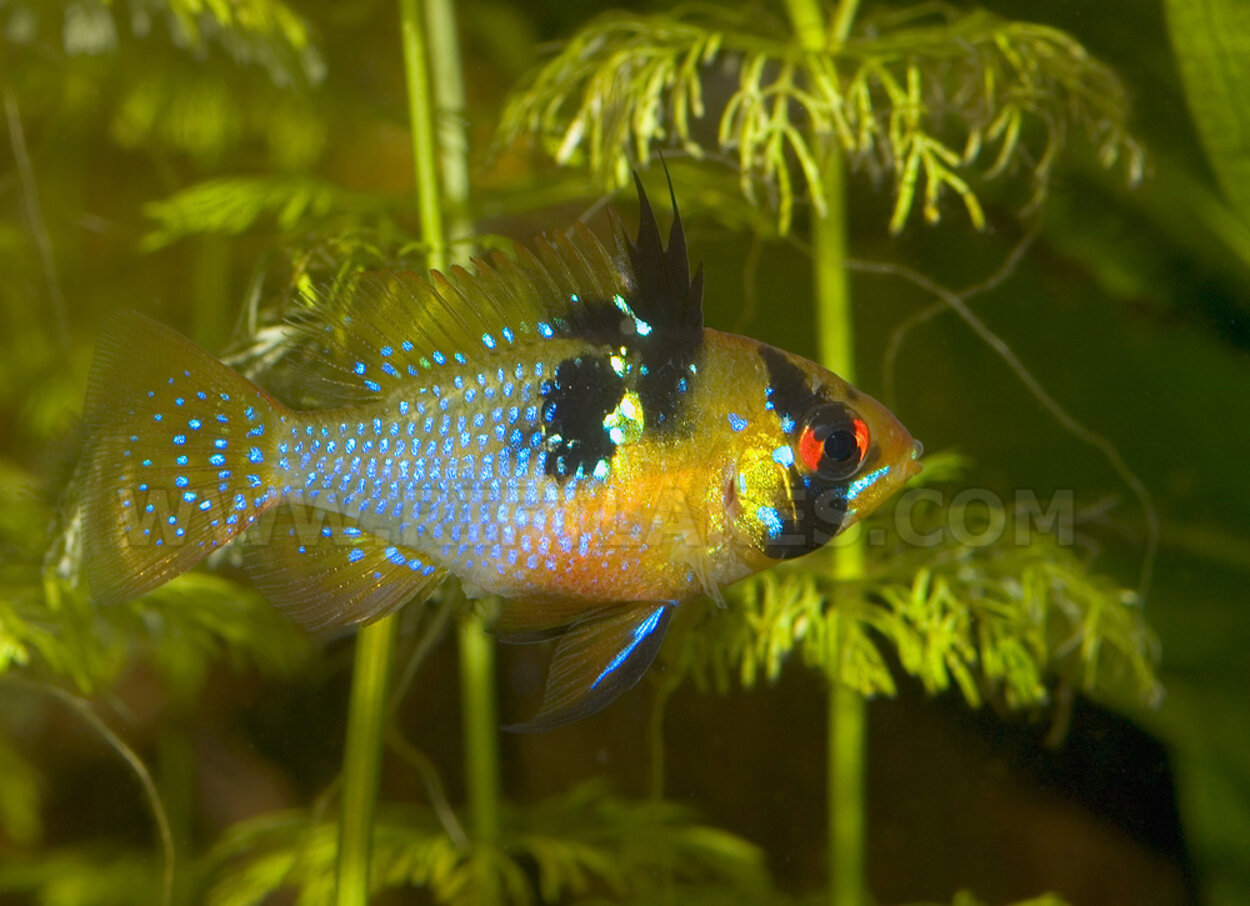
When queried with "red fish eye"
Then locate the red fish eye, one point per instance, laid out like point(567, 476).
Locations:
point(834, 442)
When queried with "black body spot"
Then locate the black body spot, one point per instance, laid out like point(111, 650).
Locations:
point(575, 402)
point(664, 381)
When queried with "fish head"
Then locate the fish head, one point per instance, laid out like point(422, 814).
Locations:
point(821, 456)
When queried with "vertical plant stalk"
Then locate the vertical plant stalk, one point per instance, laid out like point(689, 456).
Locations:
point(847, 719)
point(421, 123)
point(375, 646)
point(366, 722)
point(481, 726)
point(449, 146)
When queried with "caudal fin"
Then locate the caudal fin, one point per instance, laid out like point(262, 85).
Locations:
point(177, 460)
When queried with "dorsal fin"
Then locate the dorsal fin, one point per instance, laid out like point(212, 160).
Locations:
point(386, 327)
point(665, 293)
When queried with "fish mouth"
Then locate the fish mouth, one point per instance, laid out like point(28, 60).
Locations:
point(914, 466)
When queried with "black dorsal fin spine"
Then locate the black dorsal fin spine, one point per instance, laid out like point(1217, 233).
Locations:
point(665, 293)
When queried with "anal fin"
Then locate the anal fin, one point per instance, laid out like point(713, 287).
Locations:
point(323, 570)
point(596, 660)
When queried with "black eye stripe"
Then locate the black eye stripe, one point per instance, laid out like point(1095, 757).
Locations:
point(788, 392)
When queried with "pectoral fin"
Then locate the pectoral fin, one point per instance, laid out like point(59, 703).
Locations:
point(596, 660)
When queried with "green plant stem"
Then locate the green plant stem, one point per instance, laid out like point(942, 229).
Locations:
point(477, 649)
point(366, 721)
point(808, 22)
point(843, 18)
point(847, 724)
point(847, 719)
point(421, 124)
point(376, 643)
point(451, 136)
point(445, 119)
point(477, 686)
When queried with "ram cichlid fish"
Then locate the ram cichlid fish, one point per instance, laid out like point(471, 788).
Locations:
point(558, 429)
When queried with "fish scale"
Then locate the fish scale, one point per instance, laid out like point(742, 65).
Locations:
point(463, 482)
point(556, 428)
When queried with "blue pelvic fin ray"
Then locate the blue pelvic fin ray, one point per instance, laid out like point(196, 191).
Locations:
point(322, 570)
point(596, 660)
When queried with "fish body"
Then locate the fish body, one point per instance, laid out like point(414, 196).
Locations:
point(558, 429)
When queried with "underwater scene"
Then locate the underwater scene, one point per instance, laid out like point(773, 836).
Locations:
point(778, 452)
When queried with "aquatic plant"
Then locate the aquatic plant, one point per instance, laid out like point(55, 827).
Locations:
point(959, 116)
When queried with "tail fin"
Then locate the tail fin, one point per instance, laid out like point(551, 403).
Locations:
point(177, 461)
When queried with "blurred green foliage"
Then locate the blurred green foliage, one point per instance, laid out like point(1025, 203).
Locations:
point(199, 159)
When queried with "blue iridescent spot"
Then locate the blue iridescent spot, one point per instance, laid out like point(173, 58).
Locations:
point(179, 440)
point(386, 351)
point(488, 341)
point(181, 460)
point(189, 496)
point(783, 456)
point(737, 422)
point(157, 417)
point(178, 401)
point(859, 485)
point(199, 395)
point(787, 424)
point(507, 334)
point(254, 455)
point(771, 519)
point(181, 481)
point(206, 504)
point(360, 368)
point(355, 554)
point(194, 424)
point(544, 329)
point(240, 502)
point(216, 460)
point(373, 385)
point(439, 358)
